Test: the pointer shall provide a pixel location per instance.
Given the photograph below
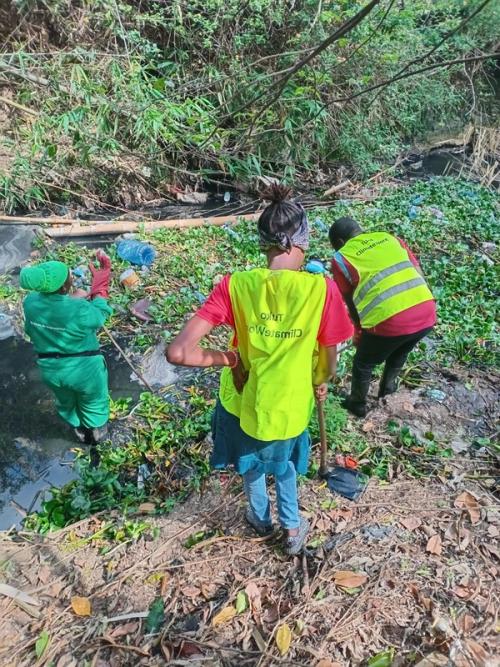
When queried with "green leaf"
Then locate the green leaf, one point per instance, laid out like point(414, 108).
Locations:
point(241, 603)
point(41, 643)
point(383, 659)
point(194, 539)
point(51, 150)
point(156, 616)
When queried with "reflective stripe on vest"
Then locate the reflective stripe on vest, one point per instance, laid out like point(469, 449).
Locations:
point(388, 281)
point(390, 292)
point(277, 315)
point(389, 271)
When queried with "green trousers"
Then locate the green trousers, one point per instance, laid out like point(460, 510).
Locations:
point(80, 386)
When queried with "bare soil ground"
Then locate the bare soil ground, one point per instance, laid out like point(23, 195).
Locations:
point(410, 569)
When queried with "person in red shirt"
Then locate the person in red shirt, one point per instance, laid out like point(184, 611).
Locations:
point(281, 317)
point(391, 339)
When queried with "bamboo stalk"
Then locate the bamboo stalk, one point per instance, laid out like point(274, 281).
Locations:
point(121, 227)
point(16, 105)
point(323, 466)
point(26, 220)
point(336, 188)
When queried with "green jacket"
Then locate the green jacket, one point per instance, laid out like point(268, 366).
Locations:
point(64, 324)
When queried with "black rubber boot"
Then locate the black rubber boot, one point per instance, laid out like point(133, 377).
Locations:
point(98, 434)
point(83, 434)
point(356, 402)
point(389, 382)
point(94, 456)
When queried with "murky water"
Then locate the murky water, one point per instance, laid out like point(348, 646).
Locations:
point(15, 246)
point(35, 444)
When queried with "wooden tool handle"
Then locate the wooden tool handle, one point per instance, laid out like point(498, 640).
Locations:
point(323, 468)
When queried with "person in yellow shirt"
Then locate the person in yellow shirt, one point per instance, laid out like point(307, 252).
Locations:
point(281, 317)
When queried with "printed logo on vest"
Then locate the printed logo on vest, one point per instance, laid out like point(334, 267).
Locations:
point(368, 245)
point(262, 330)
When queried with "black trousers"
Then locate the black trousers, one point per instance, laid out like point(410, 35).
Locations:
point(373, 350)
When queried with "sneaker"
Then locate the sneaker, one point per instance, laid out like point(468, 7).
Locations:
point(294, 545)
point(262, 529)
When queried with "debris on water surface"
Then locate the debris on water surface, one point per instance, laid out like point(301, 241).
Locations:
point(413, 212)
point(6, 326)
point(192, 197)
point(129, 278)
point(136, 252)
point(156, 369)
point(140, 309)
point(315, 266)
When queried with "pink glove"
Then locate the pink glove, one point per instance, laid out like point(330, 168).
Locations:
point(100, 277)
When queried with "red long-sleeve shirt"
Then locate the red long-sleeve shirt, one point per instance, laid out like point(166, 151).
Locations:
point(408, 321)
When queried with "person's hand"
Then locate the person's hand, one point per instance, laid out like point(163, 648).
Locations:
point(320, 392)
point(103, 259)
point(80, 294)
point(240, 376)
point(100, 276)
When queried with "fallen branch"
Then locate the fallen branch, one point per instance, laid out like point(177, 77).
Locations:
point(26, 220)
point(127, 617)
point(98, 228)
point(18, 595)
point(16, 105)
point(127, 359)
point(336, 188)
point(446, 63)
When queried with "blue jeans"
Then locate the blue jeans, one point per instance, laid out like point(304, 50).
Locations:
point(286, 495)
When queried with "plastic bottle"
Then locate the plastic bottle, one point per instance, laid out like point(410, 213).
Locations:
point(413, 212)
point(320, 225)
point(136, 252)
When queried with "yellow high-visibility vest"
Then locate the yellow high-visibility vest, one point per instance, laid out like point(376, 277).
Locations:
point(277, 317)
point(388, 281)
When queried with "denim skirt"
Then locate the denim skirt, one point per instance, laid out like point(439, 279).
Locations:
point(234, 448)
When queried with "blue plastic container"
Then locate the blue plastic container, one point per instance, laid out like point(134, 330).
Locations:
point(136, 252)
point(315, 266)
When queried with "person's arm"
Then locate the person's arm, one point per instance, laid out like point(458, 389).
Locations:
point(93, 314)
point(412, 257)
point(185, 349)
point(326, 368)
point(353, 313)
point(346, 289)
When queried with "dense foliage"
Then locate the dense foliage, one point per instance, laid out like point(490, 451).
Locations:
point(110, 102)
point(445, 221)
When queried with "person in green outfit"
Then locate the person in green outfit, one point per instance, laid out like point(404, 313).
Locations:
point(63, 329)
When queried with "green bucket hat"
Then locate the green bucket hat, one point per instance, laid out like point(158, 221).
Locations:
point(46, 277)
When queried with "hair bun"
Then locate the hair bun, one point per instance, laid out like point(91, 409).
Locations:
point(275, 192)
